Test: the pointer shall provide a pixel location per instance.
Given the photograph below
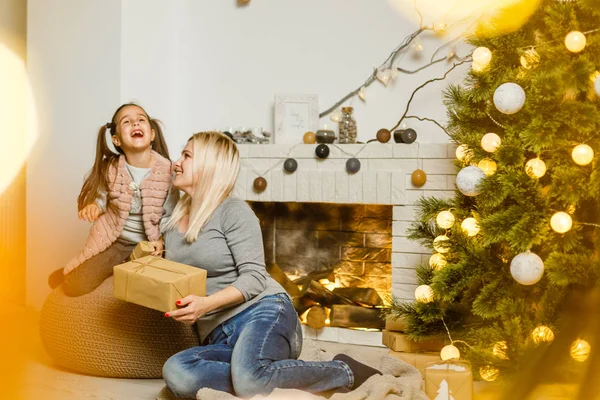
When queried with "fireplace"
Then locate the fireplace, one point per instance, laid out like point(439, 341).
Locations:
point(344, 230)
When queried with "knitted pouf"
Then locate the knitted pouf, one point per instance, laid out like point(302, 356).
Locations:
point(97, 334)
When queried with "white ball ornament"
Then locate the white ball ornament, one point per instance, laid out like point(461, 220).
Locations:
point(582, 154)
point(575, 41)
point(445, 219)
point(527, 268)
point(490, 142)
point(509, 98)
point(468, 180)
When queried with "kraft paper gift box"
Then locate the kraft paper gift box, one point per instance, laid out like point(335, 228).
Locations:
point(397, 325)
point(157, 283)
point(142, 249)
point(450, 379)
point(400, 342)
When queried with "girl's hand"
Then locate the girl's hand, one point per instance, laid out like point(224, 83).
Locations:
point(90, 213)
point(159, 246)
point(191, 308)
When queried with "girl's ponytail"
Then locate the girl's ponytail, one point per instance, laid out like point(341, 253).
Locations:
point(98, 176)
point(159, 145)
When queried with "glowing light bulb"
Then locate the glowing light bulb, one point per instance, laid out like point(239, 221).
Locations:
point(440, 244)
point(561, 222)
point(361, 94)
point(445, 219)
point(575, 41)
point(542, 334)
point(424, 294)
point(489, 373)
point(530, 59)
point(500, 349)
point(437, 261)
point(470, 226)
point(449, 352)
point(462, 152)
point(336, 116)
point(535, 168)
point(490, 142)
point(488, 166)
point(582, 154)
point(580, 350)
point(482, 56)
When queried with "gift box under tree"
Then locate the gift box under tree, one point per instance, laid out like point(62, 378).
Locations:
point(449, 380)
point(157, 283)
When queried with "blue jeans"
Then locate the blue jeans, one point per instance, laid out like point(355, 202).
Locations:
point(253, 353)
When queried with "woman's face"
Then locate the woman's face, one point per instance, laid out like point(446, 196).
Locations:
point(184, 169)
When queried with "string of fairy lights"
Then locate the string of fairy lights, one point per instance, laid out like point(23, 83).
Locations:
point(526, 268)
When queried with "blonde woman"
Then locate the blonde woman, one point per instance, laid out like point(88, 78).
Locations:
point(249, 329)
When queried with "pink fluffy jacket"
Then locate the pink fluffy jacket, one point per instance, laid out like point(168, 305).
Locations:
point(107, 228)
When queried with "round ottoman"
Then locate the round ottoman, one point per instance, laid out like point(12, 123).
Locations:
point(97, 334)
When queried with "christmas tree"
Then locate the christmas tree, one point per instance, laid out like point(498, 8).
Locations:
point(522, 232)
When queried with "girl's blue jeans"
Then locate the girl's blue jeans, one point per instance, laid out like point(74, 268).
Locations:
point(253, 353)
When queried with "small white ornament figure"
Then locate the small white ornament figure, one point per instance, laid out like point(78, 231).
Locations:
point(444, 392)
point(468, 180)
point(527, 268)
point(509, 98)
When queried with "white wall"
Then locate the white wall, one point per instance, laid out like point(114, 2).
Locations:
point(196, 65)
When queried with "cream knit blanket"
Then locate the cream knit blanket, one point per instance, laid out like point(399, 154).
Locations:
point(400, 381)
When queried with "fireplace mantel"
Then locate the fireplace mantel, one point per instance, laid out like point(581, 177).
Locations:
point(384, 178)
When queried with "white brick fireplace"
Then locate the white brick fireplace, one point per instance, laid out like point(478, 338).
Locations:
point(384, 178)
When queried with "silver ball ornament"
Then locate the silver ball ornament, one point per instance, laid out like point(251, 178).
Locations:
point(527, 268)
point(468, 180)
point(509, 98)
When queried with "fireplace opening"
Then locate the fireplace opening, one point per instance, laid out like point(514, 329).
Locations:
point(333, 259)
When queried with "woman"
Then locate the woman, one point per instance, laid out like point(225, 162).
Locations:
point(249, 329)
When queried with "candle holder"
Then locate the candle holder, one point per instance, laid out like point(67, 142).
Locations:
point(325, 136)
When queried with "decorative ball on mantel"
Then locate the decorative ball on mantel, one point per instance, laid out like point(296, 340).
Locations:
point(383, 135)
point(407, 136)
point(322, 151)
point(260, 184)
point(418, 177)
point(290, 165)
point(353, 165)
point(527, 268)
point(309, 138)
point(509, 98)
point(468, 180)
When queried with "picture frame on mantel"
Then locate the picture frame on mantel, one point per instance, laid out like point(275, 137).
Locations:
point(295, 114)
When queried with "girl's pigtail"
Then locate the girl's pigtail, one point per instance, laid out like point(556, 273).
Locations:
point(159, 145)
point(97, 179)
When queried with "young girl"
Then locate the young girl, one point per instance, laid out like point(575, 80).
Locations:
point(123, 196)
point(249, 329)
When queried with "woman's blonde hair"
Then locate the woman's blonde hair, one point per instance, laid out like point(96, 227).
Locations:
point(216, 165)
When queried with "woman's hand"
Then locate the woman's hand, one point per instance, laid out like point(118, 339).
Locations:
point(159, 246)
point(191, 308)
point(90, 213)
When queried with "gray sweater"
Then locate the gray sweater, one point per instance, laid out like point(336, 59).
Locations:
point(230, 249)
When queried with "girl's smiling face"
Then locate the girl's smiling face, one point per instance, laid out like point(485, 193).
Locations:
point(134, 132)
point(184, 179)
